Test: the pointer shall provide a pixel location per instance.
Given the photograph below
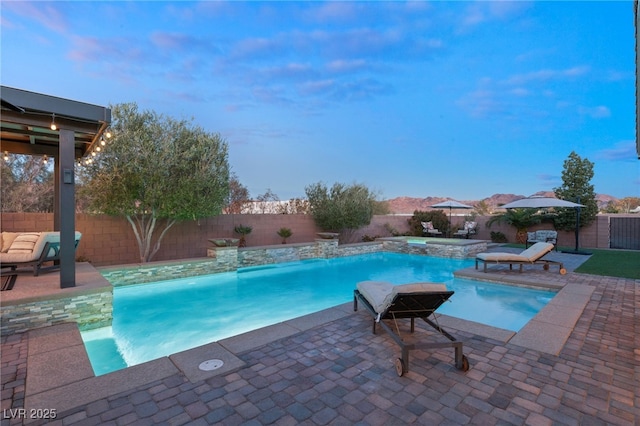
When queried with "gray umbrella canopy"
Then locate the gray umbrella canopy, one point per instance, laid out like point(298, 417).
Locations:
point(539, 203)
point(450, 204)
point(544, 202)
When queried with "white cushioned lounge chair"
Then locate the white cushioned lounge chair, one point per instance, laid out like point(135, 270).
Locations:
point(31, 249)
point(531, 256)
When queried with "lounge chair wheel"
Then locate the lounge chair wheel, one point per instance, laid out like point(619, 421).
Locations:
point(465, 364)
point(399, 367)
point(563, 271)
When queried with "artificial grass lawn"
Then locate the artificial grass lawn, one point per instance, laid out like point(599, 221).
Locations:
point(610, 263)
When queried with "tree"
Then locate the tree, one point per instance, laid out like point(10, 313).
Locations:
point(267, 202)
point(238, 197)
point(482, 208)
point(438, 218)
point(342, 208)
point(521, 219)
point(576, 187)
point(27, 184)
point(156, 171)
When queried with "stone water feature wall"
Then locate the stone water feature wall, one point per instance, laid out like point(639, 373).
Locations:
point(90, 311)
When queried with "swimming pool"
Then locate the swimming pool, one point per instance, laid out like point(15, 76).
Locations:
point(155, 320)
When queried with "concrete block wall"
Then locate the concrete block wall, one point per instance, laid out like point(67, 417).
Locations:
point(110, 241)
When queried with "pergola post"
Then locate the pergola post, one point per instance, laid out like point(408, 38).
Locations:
point(66, 208)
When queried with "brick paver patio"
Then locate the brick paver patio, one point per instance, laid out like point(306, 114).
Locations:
point(341, 374)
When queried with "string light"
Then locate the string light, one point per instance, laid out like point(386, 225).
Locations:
point(53, 122)
point(45, 159)
point(6, 156)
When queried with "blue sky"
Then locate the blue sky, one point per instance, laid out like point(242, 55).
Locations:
point(449, 99)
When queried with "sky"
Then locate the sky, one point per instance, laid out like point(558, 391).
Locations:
point(444, 99)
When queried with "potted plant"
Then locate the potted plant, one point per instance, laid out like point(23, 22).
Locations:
point(284, 233)
point(243, 231)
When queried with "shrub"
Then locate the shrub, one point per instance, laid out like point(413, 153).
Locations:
point(437, 217)
point(498, 237)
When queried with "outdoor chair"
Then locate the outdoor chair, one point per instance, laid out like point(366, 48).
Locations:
point(31, 249)
point(386, 301)
point(468, 230)
point(531, 256)
point(429, 230)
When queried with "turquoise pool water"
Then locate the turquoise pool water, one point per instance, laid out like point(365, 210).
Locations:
point(155, 320)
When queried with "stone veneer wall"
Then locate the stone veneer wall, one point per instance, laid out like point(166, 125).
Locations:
point(462, 250)
point(160, 271)
point(228, 259)
point(90, 311)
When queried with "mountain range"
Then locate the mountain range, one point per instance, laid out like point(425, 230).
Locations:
point(407, 205)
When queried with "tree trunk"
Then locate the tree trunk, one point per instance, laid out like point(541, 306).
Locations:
point(144, 227)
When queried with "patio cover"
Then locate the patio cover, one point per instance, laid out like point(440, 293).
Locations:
point(25, 129)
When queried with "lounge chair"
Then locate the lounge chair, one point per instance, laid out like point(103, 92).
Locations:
point(386, 301)
point(468, 230)
point(31, 249)
point(531, 256)
point(429, 230)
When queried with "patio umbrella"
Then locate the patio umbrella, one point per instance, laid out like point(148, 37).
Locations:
point(451, 204)
point(536, 202)
point(539, 203)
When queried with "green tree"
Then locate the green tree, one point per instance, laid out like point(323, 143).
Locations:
point(341, 208)
point(438, 218)
point(576, 187)
point(27, 184)
point(156, 171)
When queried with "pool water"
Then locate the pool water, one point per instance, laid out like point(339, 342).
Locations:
point(159, 319)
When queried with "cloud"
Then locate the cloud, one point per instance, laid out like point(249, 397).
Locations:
point(547, 75)
point(622, 151)
point(346, 65)
point(47, 14)
point(485, 12)
point(548, 180)
point(600, 111)
point(480, 103)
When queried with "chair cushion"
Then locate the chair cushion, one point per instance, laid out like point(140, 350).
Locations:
point(531, 254)
point(24, 243)
point(418, 288)
point(376, 293)
point(536, 251)
point(501, 257)
point(7, 240)
point(380, 294)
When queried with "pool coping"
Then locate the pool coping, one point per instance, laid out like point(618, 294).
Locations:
point(59, 365)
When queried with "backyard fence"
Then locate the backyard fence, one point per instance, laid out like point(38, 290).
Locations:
point(110, 241)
